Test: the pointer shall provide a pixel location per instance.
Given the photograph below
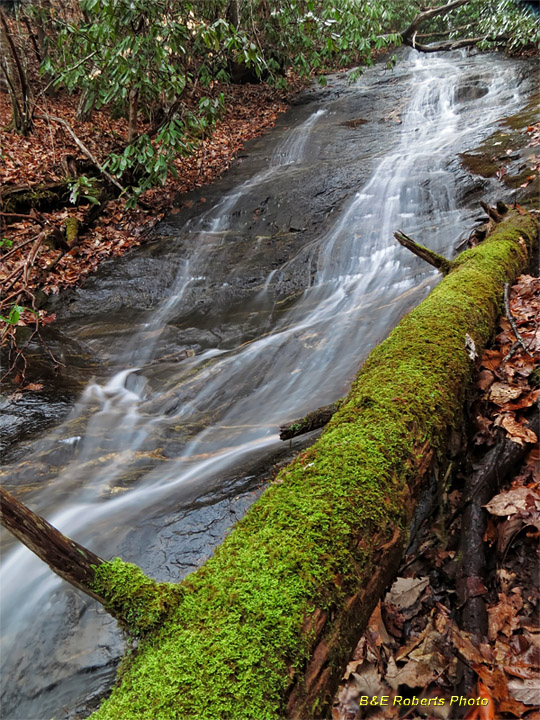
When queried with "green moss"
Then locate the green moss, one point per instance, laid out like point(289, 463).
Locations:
point(528, 116)
point(71, 225)
point(137, 602)
point(480, 163)
point(233, 644)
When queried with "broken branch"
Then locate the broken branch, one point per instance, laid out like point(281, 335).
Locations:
point(312, 421)
point(64, 556)
point(433, 258)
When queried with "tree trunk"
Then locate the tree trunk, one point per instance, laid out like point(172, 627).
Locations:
point(264, 628)
point(16, 78)
point(233, 13)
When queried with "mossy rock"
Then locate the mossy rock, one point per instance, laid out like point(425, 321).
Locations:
point(528, 116)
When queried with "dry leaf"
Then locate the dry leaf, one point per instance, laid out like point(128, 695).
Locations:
point(34, 387)
point(503, 617)
point(501, 393)
point(517, 431)
point(406, 591)
point(519, 500)
point(414, 674)
point(485, 378)
point(367, 681)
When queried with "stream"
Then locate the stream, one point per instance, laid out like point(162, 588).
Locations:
point(256, 303)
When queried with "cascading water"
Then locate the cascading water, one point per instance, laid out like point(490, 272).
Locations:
point(140, 447)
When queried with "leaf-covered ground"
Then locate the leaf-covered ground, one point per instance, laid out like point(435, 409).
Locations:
point(413, 647)
point(30, 258)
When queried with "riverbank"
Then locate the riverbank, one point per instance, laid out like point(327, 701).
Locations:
point(40, 233)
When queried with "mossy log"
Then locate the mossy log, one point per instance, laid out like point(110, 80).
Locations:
point(263, 629)
point(265, 626)
point(44, 197)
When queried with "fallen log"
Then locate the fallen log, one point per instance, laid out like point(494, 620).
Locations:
point(264, 628)
point(21, 199)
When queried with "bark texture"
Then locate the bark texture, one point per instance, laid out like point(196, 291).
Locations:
point(64, 556)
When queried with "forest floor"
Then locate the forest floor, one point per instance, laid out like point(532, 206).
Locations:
point(36, 256)
point(415, 648)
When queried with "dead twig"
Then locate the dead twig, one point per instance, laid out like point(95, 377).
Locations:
point(3, 258)
point(511, 320)
point(25, 266)
point(23, 217)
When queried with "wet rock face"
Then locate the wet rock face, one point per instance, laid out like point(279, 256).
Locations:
point(274, 223)
point(276, 227)
point(506, 156)
point(470, 90)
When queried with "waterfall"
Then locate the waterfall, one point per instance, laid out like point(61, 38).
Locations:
point(135, 448)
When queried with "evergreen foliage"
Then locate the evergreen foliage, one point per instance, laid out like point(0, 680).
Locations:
point(159, 61)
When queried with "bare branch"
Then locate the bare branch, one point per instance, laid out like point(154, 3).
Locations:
point(64, 556)
point(427, 15)
point(433, 258)
point(82, 147)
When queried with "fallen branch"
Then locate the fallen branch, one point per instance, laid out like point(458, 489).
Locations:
point(82, 568)
point(493, 213)
point(433, 258)
point(312, 421)
point(480, 487)
point(511, 320)
point(25, 266)
point(82, 147)
point(64, 556)
point(3, 258)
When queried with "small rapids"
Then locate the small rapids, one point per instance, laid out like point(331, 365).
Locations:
point(148, 449)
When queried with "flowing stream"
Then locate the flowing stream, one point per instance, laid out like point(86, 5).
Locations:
point(157, 460)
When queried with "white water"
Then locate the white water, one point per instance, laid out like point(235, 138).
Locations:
point(241, 395)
